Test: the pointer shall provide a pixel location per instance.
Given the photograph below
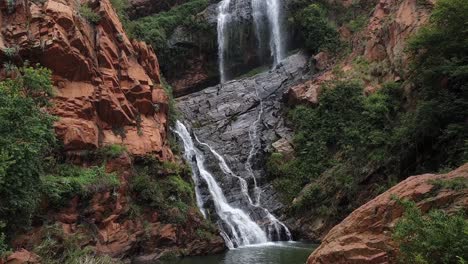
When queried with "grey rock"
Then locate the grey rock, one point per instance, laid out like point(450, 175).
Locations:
point(222, 117)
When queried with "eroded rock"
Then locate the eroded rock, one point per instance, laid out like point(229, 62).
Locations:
point(365, 235)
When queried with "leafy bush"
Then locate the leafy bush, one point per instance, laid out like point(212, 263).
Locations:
point(67, 181)
point(57, 247)
point(156, 30)
point(347, 131)
point(435, 238)
point(349, 139)
point(169, 194)
point(318, 33)
point(89, 14)
point(3, 243)
point(26, 136)
point(112, 151)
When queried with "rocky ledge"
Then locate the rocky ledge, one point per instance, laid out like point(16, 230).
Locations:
point(365, 235)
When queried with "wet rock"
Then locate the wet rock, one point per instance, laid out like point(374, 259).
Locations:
point(224, 115)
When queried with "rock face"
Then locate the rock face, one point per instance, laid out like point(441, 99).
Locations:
point(380, 43)
point(107, 87)
point(365, 235)
point(233, 117)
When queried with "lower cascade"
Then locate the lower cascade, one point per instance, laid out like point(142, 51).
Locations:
point(238, 228)
point(226, 131)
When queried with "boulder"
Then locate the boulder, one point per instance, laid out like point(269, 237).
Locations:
point(364, 237)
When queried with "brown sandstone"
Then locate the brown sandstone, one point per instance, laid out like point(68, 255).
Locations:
point(365, 235)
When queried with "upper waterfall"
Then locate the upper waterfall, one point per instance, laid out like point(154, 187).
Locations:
point(267, 21)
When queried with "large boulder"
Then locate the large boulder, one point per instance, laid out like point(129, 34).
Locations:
point(364, 237)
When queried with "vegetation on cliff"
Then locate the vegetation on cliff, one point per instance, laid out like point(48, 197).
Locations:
point(26, 137)
point(157, 29)
point(350, 139)
point(435, 238)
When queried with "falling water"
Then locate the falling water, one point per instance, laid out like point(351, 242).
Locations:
point(224, 18)
point(267, 19)
point(272, 10)
point(278, 227)
point(238, 228)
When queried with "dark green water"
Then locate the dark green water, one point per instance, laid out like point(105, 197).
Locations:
point(270, 253)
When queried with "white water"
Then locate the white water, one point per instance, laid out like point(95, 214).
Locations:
point(271, 9)
point(267, 16)
point(241, 229)
point(222, 30)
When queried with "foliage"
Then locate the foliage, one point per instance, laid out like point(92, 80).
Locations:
point(66, 181)
point(357, 23)
point(157, 29)
point(173, 115)
point(112, 151)
point(89, 14)
point(349, 138)
point(121, 7)
point(456, 184)
point(26, 136)
point(346, 128)
point(318, 33)
point(170, 194)
point(435, 238)
point(3, 243)
point(57, 247)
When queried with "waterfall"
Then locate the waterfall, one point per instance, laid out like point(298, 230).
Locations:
point(271, 9)
point(267, 20)
point(278, 226)
point(224, 18)
point(238, 229)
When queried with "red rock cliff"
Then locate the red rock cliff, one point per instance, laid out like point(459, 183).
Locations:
point(365, 235)
point(108, 86)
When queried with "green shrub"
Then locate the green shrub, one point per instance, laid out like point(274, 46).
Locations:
point(89, 14)
point(26, 137)
point(358, 23)
point(3, 243)
point(66, 181)
point(156, 30)
point(112, 151)
point(170, 194)
point(57, 247)
point(455, 184)
point(347, 131)
point(318, 33)
point(435, 238)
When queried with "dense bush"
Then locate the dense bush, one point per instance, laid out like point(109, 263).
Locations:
point(26, 136)
point(435, 238)
point(156, 29)
point(346, 129)
point(3, 243)
point(316, 30)
point(66, 181)
point(349, 139)
point(57, 247)
point(159, 186)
